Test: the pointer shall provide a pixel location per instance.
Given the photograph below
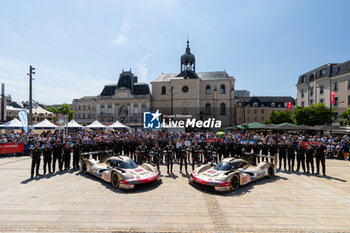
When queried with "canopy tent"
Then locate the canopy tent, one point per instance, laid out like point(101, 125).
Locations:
point(253, 125)
point(13, 124)
point(96, 125)
point(74, 125)
point(45, 124)
point(117, 125)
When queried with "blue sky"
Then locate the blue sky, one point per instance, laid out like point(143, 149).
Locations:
point(79, 46)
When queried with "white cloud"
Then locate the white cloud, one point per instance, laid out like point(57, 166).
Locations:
point(123, 39)
point(142, 68)
point(50, 85)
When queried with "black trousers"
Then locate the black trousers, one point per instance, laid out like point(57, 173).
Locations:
point(282, 157)
point(301, 160)
point(156, 162)
point(291, 159)
point(58, 158)
point(195, 160)
point(183, 160)
point(321, 159)
point(75, 161)
point(310, 162)
point(35, 166)
point(169, 163)
point(66, 158)
point(47, 163)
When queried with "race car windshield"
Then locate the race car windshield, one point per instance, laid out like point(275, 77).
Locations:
point(223, 166)
point(128, 164)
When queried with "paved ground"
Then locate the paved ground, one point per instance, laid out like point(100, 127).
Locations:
point(72, 202)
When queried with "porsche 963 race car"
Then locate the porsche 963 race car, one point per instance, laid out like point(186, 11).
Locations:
point(122, 172)
point(230, 173)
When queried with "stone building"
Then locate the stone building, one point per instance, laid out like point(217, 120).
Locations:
point(315, 86)
point(259, 108)
point(202, 95)
point(124, 101)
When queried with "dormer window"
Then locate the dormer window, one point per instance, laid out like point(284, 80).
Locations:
point(163, 92)
point(272, 104)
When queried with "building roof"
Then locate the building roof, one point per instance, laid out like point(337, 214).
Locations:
point(214, 75)
point(266, 100)
point(326, 70)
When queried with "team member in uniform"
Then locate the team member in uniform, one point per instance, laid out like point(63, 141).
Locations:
point(196, 150)
point(86, 148)
point(291, 155)
point(264, 150)
point(183, 151)
point(300, 156)
point(47, 152)
point(310, 153)
point(256, 150)
point(321, 151)
point(35, 155)
point(141, 153)
point(155, 155)
point(76, 154)
point(66, 156)
point(57, 155)
point(95, 148)
point(209, 153)
point(273, 149)
point(282, 155)
point(169, 151)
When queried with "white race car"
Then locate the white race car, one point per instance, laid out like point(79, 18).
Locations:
point(122, 172)
point(230, 173)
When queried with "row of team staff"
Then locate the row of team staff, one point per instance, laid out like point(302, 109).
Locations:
point(156, 155)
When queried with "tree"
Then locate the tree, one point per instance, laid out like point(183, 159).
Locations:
point(346, 115)
point(280, 117)
point(316, 114)
point(64, 110)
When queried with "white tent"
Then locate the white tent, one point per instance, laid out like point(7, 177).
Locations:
point(74, 125)
point(117, 125)
point(13, 124)
point(96, 125)
point(45, 124)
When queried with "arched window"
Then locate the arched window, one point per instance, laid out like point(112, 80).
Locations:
point(207, 109)
point(163, 90)
point(222, 89)
point(207, 89)
point(184, 108)
point(222, 109)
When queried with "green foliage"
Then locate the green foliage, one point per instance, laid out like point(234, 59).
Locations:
point(63, 110)
point(280, 117)
point(346, 115)
point(316, 114)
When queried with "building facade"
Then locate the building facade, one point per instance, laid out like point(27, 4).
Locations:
point(316, 86)
point(202, 95)
point(259, 108)
point(125, 101)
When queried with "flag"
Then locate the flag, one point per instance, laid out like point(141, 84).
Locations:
point(289, 106)
point(23, 116)
point(332, 97)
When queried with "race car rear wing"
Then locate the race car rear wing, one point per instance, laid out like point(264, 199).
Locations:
point(251, 158)
point(102, 154)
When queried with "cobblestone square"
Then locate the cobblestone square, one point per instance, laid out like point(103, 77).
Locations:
point(72, 202)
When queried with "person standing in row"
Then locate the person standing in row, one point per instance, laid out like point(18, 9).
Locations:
point(47, 152)
point(155, 155)
point(209, 153)
point(35, 155)
point(291, 156)
point(183, 151)
point(300, 156)
point(310, 153)
point(57, 155)
point(169, 151)
point(141, 153)
point(66, 156)
point(76, 154)
point(282, 155)
point(196, 150)
point(321, 151)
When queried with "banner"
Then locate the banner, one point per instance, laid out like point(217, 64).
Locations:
point(23, 117)
point(332, 97)
point(8, 148)
point(289, 106)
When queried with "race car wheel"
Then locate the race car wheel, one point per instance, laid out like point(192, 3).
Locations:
point(270, 172)
point(115, 180)
point(84, 167)
point(235, 182)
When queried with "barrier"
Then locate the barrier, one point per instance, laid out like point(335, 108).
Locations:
point(9, 148)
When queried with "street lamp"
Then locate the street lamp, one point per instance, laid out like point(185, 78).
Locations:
point(31, 72)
